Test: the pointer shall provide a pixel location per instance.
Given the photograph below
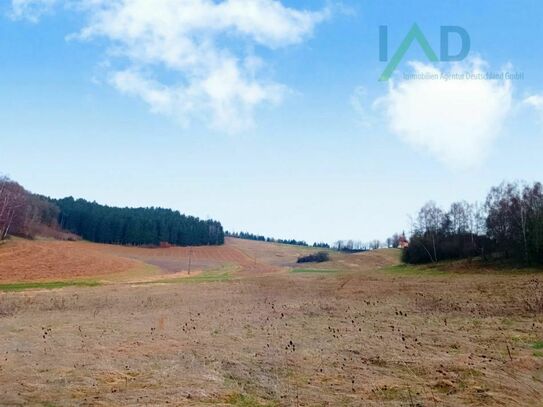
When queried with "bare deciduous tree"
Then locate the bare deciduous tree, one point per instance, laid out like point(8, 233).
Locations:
point(13, 199)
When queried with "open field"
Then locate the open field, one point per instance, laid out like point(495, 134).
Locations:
point(23, 260)
point(250, 328)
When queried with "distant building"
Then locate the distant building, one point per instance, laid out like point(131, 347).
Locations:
point(404, 243)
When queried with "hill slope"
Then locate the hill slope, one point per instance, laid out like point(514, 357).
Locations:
point(24, 260)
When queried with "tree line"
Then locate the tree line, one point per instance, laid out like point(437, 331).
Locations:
point(29, 215)
point(260, 238)
point(356, 246)
point(509, 225)
point(136, 226)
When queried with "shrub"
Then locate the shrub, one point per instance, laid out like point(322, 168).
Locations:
point(319, 257)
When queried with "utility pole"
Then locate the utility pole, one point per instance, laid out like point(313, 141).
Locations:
point(190, 258)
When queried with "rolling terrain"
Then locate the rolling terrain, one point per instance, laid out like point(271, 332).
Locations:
point(249, 327)
point(42, 260)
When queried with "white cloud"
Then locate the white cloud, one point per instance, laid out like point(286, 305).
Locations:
point(534, 101)
point(224, 93)
point(200, 46)
point(455, 120)
point(31, 10)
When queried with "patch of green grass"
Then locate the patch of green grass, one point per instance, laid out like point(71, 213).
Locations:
point(300, 270)
point(537, 345)
point(208, 277)
point(48, 285)
point(199, 278)
point(411, 270)
point(538, 354)
point(450, 268)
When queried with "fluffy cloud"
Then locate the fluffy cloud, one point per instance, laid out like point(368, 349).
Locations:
point(31, 10)
point(455, 120)
point(224, 94)
point(200, 46)
point(534, 101)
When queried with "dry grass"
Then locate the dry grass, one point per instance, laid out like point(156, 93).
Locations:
point(24, 260)
point(45, 260)
point(359, 336)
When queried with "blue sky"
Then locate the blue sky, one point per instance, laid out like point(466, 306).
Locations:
point(266, 115)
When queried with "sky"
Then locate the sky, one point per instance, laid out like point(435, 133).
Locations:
point(268, 115)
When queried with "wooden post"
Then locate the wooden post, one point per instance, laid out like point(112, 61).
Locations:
point(190, 258)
